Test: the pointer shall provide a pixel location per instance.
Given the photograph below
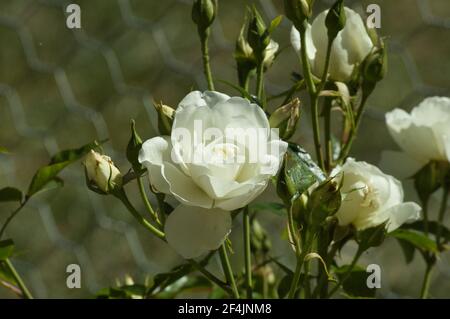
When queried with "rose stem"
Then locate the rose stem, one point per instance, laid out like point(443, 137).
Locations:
point(227, 270)
point(298, 253)
point(247, 252)
point(204, 37)
point(26, 293)
point(313, 96)
point(147, 204)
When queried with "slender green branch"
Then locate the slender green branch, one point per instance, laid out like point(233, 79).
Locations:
point(305, 62)
point(347, 147)
point(227, 270)
point(300, 256)
point(204, 37)
point(426, 281)
point(328, 141)
point(11, 217)
point(210, 276)
point(348, 272)
point(327, 66)
point(443, 208)
point(25, 292)
point(124, 199)
point(247, 253)
point(260, 82)
point(327, 110)
point(324, 241)
point(147, 204)
point(313, 96)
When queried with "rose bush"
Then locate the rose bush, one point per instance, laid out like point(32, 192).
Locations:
point(209, 162)
point(349, 49)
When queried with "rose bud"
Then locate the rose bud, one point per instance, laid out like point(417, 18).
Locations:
point(101, 172)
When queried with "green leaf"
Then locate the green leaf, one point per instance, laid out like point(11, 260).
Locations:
point(135, 291)
point(241, 90)
point(356, 283)
point(10, 194)
point(45, 175)
point(432, 228)
point(3, 150)
point(371, 237)
point(408, 250)
point(299, 172)
point(276, 208)
point(285, 285)
point(72, 155)
point(6, 249)
point(58, 162)
point(163, 280)
point(416, 239)
point(133, 148)
point(430, 178)
point(274, 24)
point(182, 285)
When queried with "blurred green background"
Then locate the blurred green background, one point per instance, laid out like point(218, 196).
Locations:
point(61, 88)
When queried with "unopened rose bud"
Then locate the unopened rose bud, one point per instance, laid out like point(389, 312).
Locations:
point(270, 53)
point(165, 118)
point(203, 13)
point(286, 118)
point(335, 19)
point(298, 11)
point(258, 37)
point(375, 66)
point(324, 201)
point(243, 54)
point(245, 57)
point(243, 51)
point(133, 148)
point(101, 172)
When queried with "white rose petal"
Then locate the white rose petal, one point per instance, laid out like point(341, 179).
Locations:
point(193, 231)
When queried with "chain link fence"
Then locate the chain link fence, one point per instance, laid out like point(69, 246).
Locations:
point(62, 88)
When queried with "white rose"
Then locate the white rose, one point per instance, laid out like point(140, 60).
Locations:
point(100, 170)
point(423, 135)
point(208, 169)
point(350, 48)
point(371, 198)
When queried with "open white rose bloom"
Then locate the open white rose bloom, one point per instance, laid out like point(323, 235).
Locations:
point(350, 48)
point(219, 157)
point(371, 198)
point(423, 135)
